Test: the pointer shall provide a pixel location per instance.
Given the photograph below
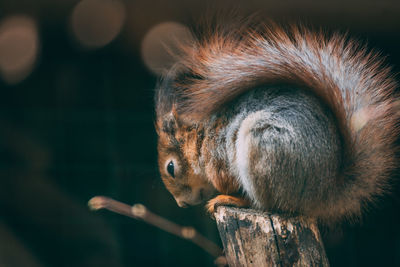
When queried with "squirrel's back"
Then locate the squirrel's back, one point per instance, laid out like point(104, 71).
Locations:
point(282, 145)
point(348, 80)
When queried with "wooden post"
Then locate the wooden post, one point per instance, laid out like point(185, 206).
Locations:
point(253, 238)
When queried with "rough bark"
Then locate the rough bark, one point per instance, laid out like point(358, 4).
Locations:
point(253, 238)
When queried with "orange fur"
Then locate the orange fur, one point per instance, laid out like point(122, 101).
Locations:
point(225, 200)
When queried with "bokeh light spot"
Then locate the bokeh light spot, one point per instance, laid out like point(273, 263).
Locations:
point(19, 47)
point(162, 40)
point(95, 23)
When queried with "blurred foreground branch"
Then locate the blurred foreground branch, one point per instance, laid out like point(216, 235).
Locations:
point(140, 212)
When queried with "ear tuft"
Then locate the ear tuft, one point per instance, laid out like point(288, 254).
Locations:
point(170, 122)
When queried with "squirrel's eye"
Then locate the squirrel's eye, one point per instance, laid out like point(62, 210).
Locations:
point(171, 169)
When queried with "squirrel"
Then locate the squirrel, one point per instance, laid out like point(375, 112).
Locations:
point(280, 119)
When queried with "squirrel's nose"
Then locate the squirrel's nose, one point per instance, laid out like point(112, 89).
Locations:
point(181, 204)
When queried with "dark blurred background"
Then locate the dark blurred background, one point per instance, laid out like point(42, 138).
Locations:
point(76, 120)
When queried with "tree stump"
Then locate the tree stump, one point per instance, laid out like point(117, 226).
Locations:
point(253, 238)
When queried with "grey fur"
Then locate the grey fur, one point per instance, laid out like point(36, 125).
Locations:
point(293, 152)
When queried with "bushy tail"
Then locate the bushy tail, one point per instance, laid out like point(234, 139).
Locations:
point(347, 77)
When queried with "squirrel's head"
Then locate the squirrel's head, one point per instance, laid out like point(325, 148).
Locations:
point(178, 159)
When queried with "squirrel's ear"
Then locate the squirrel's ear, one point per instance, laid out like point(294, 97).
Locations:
point(157, 127)
point(170, 122)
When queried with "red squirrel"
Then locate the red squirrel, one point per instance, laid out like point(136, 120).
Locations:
point(280, 119)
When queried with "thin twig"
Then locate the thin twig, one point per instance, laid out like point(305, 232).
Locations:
point(140, 212)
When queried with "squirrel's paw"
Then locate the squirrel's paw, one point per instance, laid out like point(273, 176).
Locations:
point(225, 200)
